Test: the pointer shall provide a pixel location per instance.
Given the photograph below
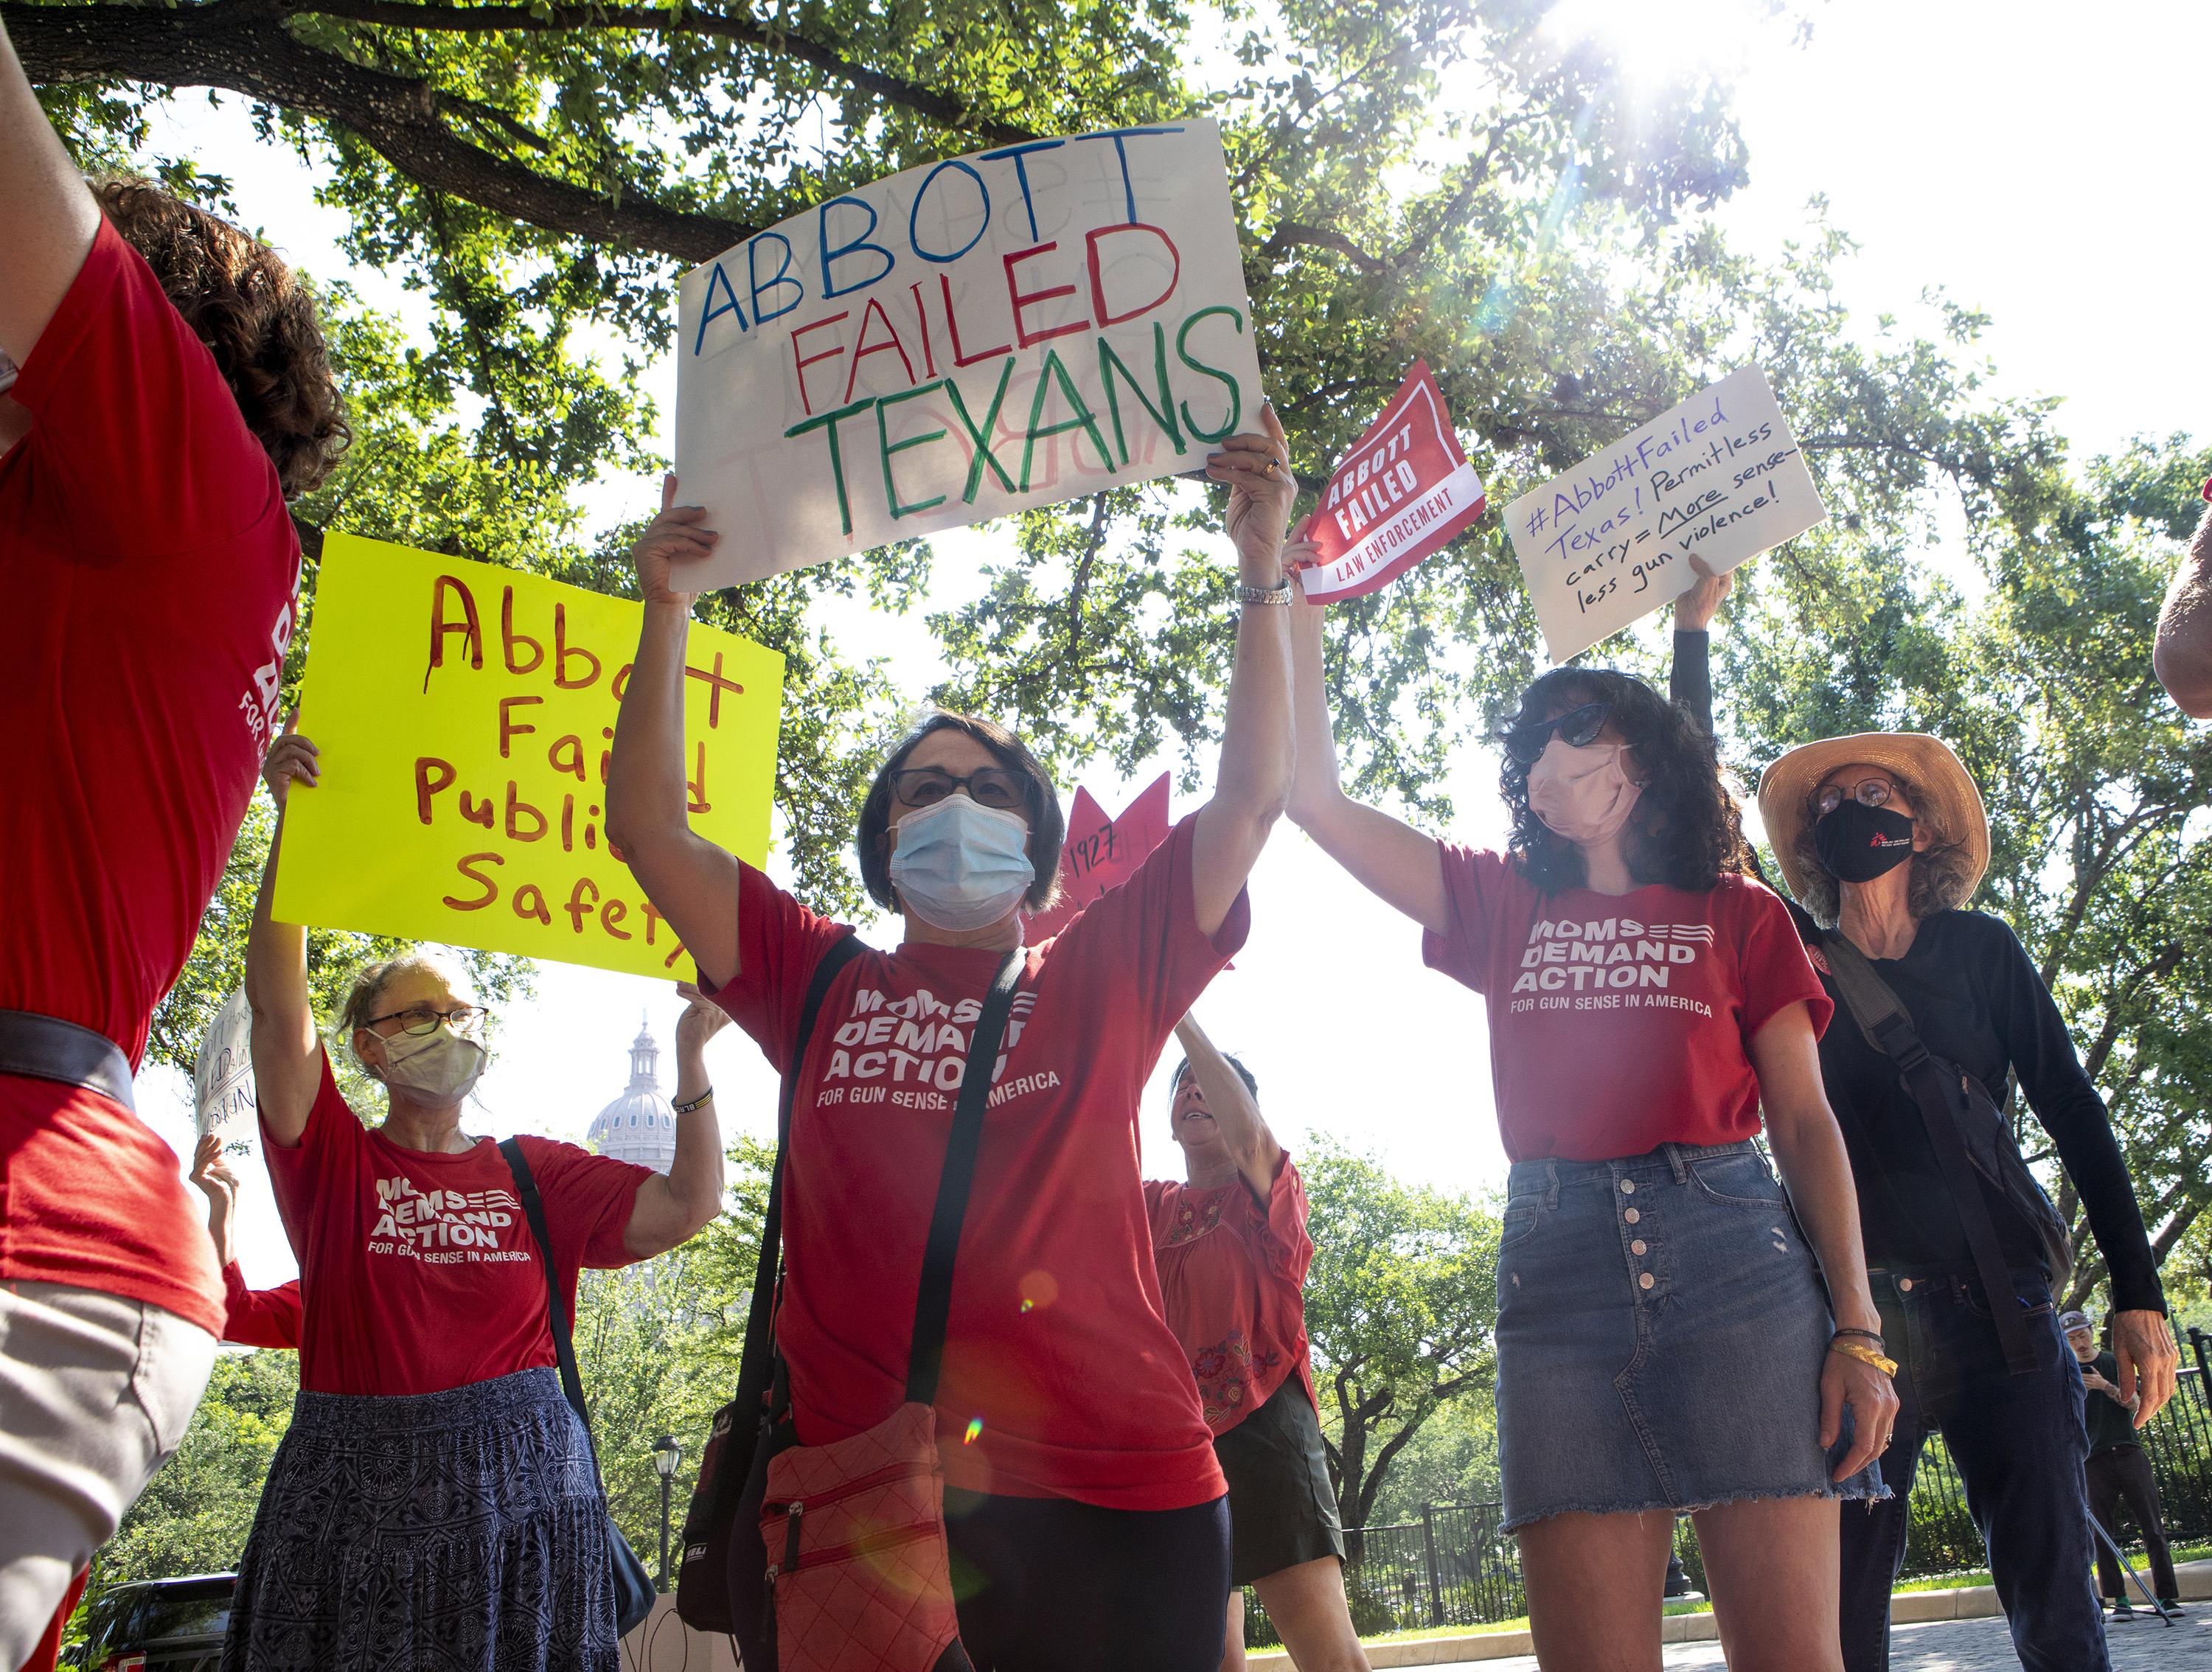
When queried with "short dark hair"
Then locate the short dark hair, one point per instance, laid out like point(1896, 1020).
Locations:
point(1047, 825)
point(1684, 829)
point(1236, 1062)
point(255, 317)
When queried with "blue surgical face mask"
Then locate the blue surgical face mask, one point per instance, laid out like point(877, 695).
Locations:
point(960, 864)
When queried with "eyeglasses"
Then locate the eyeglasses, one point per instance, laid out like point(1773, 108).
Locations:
point(993, 787)
point(1868, 793)
point(421, 1019)
point(1578, 728)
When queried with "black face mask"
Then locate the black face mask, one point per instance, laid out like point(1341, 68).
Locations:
point(1857, 843)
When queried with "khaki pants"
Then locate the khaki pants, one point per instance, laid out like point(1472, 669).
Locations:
point(95, 1393)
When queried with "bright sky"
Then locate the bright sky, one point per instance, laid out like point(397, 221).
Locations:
point(2043, 164)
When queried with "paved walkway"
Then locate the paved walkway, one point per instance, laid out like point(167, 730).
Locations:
point(1975, 1645)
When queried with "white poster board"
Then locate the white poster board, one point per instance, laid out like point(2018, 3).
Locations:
point(223, 1073)
point(976, 337)
point(1719, 477)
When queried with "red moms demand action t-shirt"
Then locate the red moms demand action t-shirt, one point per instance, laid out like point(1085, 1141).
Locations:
point(418, 1272)
point(149, 568)
point(1061, 1378)
point(1233, 1272)
point(1618, 1023)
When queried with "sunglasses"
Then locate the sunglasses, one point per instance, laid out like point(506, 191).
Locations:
point(1868, 793)
point(995, 787)
point(1579, 728)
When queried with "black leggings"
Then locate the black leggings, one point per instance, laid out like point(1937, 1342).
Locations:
point(1048, 1584)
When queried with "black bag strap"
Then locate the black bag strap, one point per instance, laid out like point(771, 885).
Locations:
point(933, 1304)
point(1889, 1028)
point(564, 1350)
point(755, 1369)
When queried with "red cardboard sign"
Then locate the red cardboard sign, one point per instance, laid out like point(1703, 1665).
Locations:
point(1402, 490)
point(1102, 853)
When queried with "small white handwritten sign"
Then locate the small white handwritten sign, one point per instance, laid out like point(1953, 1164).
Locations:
point(1719, 479)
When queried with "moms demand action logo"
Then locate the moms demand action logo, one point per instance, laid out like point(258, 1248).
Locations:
point(443, 1227)
point(1566, 957)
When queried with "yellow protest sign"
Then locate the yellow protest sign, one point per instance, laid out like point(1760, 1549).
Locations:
point(464, 714)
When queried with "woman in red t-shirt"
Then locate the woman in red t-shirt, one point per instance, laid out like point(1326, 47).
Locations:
point(1664, 1338)
point(435, 1494)
point(1232, 1251)
point(1083, 1503)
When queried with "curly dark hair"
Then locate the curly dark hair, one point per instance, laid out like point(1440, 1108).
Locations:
point(1684, 829)
point(1048, 824)
point(257, 319)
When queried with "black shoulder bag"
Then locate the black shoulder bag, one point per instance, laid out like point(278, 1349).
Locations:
point(633, 1585)
point(1973, 1141)
point(702, 1586)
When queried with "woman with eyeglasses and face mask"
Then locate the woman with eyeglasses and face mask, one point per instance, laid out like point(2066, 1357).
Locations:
point(435, 1496)
point(1883, 839)
point(1665, 1342)
point(1085, 1507)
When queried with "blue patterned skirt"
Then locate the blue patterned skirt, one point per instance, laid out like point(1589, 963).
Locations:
point(461, 1531)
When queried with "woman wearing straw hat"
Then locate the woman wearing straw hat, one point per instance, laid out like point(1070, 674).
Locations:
point(1882, 838)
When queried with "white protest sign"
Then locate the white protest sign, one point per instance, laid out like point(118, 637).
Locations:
point(223, 1073)
point(1719, 479)
point(972, 338)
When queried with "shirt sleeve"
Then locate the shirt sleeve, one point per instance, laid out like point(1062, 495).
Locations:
point(1143, 940)
point(1690, 677)
point(331, 1143)
point(2051, 1078)
point(261, 1317)
point(1285, 1241)
point(133, 417)
point(1473, 881)
point(779, 943)
point(588, 1200)
point(1772, 959)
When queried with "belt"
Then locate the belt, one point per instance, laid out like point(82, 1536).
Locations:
point(47, 1048)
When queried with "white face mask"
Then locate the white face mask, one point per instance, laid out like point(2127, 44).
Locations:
point(439, 1066)
point(961, 865)
point(1582, 794)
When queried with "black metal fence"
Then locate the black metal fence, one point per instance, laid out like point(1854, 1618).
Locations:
point(1453, 1566)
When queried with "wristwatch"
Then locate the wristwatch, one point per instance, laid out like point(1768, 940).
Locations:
point(1278, 593)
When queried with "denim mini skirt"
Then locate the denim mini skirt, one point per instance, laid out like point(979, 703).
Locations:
point(1662, 1330)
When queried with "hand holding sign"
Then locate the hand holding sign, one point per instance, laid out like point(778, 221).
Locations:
point(1719, 477)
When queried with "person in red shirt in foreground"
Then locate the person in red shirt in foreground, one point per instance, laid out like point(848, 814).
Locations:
point(1232, 1252)
point(435, 1495)
point(1664, 1338)
point(254, 1318)
point(163, 389)
point(1085, 1509)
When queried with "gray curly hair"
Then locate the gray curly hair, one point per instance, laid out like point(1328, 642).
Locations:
point(1942, 873)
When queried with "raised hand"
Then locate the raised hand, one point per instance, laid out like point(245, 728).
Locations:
point(1695, 609)
point(291, 757)
point(703, 1018)
point(212, 1173)
point(677, 535)
point(1256, 467)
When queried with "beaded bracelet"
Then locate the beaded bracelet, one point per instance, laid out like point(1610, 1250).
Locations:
point(1873, 1335)
point(699, 1102)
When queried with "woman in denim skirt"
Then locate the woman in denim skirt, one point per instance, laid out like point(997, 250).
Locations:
point(1665, 1342)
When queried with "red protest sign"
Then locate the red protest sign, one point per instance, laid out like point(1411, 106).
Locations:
point(1401, 491)
point(1102, 853)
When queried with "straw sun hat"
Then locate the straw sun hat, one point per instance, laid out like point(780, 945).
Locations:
point(1949, 799)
